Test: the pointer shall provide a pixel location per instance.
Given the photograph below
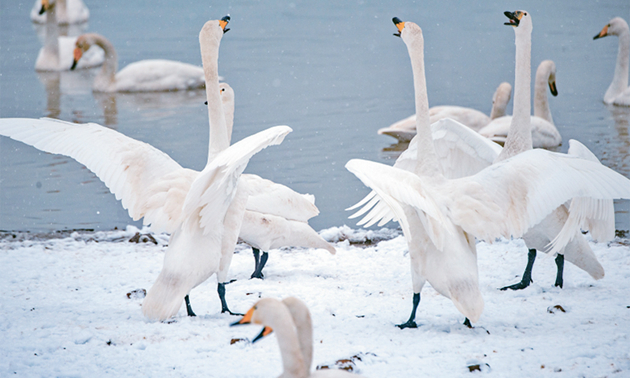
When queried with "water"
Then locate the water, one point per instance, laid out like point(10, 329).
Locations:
point(330, 70)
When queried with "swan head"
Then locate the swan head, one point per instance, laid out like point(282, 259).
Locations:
point(268, 312)
point(407, 30)
point(227, 93)
point(46, 5)
point(82, 45)
point(520, 19)
point(547, 69)
point(616, 26)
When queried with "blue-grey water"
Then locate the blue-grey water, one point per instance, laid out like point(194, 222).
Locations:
point(329, 69)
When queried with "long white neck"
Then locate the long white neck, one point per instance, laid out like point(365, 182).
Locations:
point(209, 41)
point(51, 43)
point(427, 157)
point(106, 77)
point(304, 326)
point(541, 101)
point(62, 11)
point(519, 137)
point(620, 80)
point(292, 360)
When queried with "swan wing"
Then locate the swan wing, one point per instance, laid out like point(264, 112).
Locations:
point(212, 191)
point(148, 182)
point(268, 197)
point(597, 216)
point(159, 75)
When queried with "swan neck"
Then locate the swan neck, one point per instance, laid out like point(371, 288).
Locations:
point(220, 135)
point(106, 78)
point(541, 101)
point(292, 360)
point(63, 11)
point(427, 157)
point(51, 42)
point(620, 79)
point(519, 137)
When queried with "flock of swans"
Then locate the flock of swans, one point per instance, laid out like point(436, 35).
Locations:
point(452, 185)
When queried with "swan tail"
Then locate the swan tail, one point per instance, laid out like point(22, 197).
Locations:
point(579, 253)
point(164, 298)
point(467, 298)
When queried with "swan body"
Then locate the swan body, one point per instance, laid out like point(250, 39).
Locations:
point(151, 75)
point(404, 130)
point(440, 217)
point(57, 52)
point(618, 93)
point(69, 12)
point(290, 320)
point(544, 132)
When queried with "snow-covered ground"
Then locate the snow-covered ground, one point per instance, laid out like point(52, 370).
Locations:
point(65, 312)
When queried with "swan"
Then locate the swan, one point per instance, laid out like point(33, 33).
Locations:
point(69, 12)
point(151, 75)
point(291, 321)
point(404, 130)
point(56, 54)
point(440, 217)
point(544, 132)
point(618, 92)
point(275, 216)
point(202, 210)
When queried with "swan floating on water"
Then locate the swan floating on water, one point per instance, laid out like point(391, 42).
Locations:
point(69, 11)
point(618, 92)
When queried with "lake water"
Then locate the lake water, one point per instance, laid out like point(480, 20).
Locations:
point(331, 70)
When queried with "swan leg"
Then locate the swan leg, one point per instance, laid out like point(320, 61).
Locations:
point(188, 307)
point(411, 323)
point(560, 265)
point(527, 275)
point(467, 323)
point(224, 306)
point(260, 263)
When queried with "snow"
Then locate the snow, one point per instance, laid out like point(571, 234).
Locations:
point(65, 312)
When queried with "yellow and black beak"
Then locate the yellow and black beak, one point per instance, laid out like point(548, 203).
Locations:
point(265, 332)
point(515, 18)
point(602, 33)
point(44, 7)
point(247, 319)
point(399, 24)
point(553, 89)
point(78, 53)
point(223, 23)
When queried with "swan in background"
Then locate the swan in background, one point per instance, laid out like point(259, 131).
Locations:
point(69, 11)
point(151, 75)
point(57, 52)
point(441, 217)
point(544, 132)
point(404, 130)
point(618, 92)
point(276, 216)
point(290, 320)
point(202, 210)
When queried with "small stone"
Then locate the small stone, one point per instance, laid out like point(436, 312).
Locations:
point(137, 294)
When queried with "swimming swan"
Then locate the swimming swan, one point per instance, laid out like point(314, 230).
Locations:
point(618, 92)
point(150, 75)
point(440, 217)
point(290, 320)
point(202, 210)
point(276, 216)
point(404, 130)
point(69, 12)
point(57, 52)
point(544, 132)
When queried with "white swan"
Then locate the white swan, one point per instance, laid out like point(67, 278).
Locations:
point(69, 11)
point(618, 92)
point(276, 215)
point(290, 320)
point(202, 210)
point(544, 132)
point(440, 217)
point(151, 75)
point(404, 130)
point(57, 52)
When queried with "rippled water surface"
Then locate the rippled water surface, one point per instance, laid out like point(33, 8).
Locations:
point(331, 70)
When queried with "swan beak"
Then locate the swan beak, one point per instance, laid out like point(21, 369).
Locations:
point(265, 332)
point(223, 23)
point(515, 18)
point(45, 6)
point(399, 24)
point(553, 89)
point(78, 53)
point(247, 319)
point(602, 33)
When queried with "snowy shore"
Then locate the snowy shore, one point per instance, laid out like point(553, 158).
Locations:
point(65, 312)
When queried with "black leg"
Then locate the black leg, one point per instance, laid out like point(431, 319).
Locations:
point(560, 265)
point(188, 308)
point(411, 323)
point(527, 275)
point(224, 306)
point(467, 323)
point(256, 258)
point(260, 264)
